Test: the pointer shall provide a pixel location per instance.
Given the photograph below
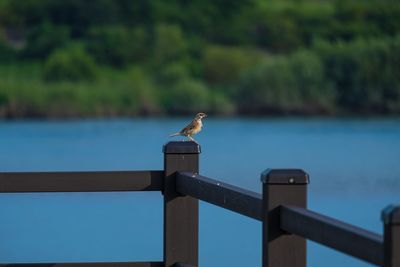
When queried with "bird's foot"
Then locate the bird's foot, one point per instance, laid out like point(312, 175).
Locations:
point(191, 139)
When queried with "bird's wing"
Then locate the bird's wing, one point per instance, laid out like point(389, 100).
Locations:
point(188, 127)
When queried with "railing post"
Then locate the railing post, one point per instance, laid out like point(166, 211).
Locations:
point(180, 212)
point(282, 187)
point(391, 236)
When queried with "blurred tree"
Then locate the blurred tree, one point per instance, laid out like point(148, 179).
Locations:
point(316, 92)
point(220, 103)
point(27, 13)
point(3, 99)
point(224, 65)
point(169, 44)
point(187, 96)
point(82, 15)
point(70, 64)
point(118, 45)
point(286, 84)
point(251, 55)
point(143, 97)
point(172, 74)
point(7, 53)
point(365, 73)
point(44, 38)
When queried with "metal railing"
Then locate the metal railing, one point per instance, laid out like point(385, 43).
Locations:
point(281, 208)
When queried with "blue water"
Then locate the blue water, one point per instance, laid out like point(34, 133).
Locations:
point(354, 165)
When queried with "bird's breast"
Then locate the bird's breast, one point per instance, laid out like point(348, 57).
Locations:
point(197, 127)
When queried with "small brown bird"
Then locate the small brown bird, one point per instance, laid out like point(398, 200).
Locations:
point(192, 128)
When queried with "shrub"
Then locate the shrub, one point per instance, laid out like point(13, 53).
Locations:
point(143, 96)
point(221, 104)
point(169, 44)
point(42, 39)
point(3, 99)
point(268, 87)
point(365, 73)
point(186, 97)
point(285, 84)
point(315, 91)
point(70, 64)
point(224, 65)
point(273, 26)
point(7, 53)
point(118, 45)
point(171, 74)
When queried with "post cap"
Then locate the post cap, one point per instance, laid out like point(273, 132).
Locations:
point(284, 176)
point(391, 214)
point(182, 147)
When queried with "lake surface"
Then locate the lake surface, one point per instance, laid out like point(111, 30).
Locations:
point(354, 167)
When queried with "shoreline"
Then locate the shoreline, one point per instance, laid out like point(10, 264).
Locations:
point(215, 116)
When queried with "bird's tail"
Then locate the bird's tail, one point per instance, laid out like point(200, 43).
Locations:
point(174, 134)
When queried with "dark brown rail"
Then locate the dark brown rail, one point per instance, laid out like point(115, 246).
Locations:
point(180, 264)
point(88, 264)
point(181, 213)
point(327, 231)
point(18, 182)
point(282, 209)
point(224, 195)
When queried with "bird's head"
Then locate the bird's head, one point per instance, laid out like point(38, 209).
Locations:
point(200, 115)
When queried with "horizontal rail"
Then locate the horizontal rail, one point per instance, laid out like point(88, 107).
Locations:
point(227, 196)
point(180, 264)
point(19, 182)
point(91, 264)
point(344, 237)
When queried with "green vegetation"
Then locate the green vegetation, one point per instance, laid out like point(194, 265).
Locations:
point(286, 84)
point(69, 64)
point(63, 58)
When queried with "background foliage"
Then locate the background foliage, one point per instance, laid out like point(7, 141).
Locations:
point(122, 57)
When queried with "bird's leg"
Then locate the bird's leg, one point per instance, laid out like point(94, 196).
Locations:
point(183, 137)
point(192, 139)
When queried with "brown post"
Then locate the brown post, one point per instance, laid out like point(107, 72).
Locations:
point(180, 212)
point(282, 187)
point(391, 236)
